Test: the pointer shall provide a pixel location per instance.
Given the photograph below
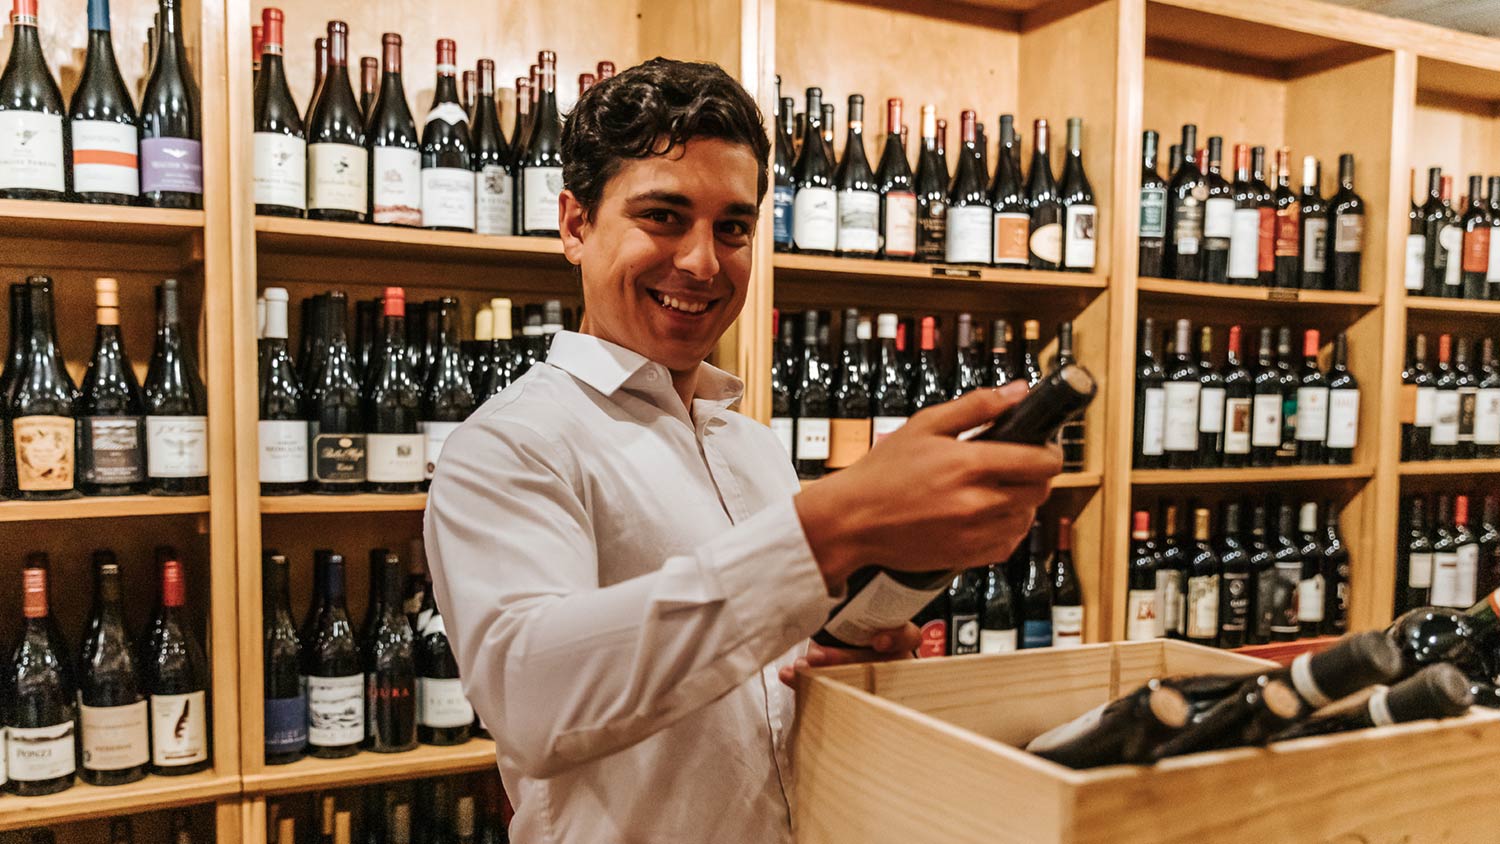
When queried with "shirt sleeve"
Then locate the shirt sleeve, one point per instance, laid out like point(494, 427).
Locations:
point(562, 670)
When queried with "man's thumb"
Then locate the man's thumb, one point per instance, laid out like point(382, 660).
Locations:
point(969, 411)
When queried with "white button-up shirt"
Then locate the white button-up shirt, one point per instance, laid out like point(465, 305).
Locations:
point(621, 582)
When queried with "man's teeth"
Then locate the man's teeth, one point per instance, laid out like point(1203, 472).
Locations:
point(678, 305)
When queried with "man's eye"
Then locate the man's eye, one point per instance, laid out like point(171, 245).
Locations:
point(659, 215)
point(735, 228)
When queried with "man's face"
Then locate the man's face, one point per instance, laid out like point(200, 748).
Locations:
point(666, 257)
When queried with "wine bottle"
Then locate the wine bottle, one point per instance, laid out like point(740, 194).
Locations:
point(1288, 224)
point(1183, 390)
point(338, 172)
point(1415, 267)
point(33, 149)
point(1186, 194)
point(171, 134)
point(1142, 614)
point(1012, 222)
point(1468, 399)
point(1312, 405)
point(176, 680)
point(1437, 691)
point(970, 217)
point(42, 412)
point(1286, 560)
point(858, 192)
point(1123, 730)
point(1031, 342)
point(1153, 222)
point(1336, 571)
point(1080, 214)
point(284, 695)
point(320, 71)
point(1235, 584)
point(1414, 559)
point(783, 381)
point(105, 162)
point(1288, 381)
point(815, 216)
point(40, 718)
point(1238, 396)
point(396, 459)
point(332, 667)
point(1067, 594)
point(826, 131)
point(447, 180)
point(1211, 403)
point(997, 613)
point(1266, 406)
point(1346, 212)
point(1313, 247)
point(499, 374)
point(1036, 594)
point(1202, 619)
point(1492, 271)
point(176, 406)
point(1446, 404)
point(968, 368)
point(1434, 634)
point(1263, 581)
point(280, 137)
point(394, 155)
point(541, 166)
point(114, 738)
point(467, 92)
point(1450, 241)
point(898, 200)
point(927, 388)
point(1000, 371)
point(1258, 706)
point(1433, 218)
point(1487, 403)
point(369, 84)
point(1045, 205)
point(1244, 234)
point(1218, 216)
point(281, 429)
point(444, 716)
point(814, 405)
point(1475, 251)
point(336, 421)
point(447, 397)
point(1171, 577)
point(849, 427)
point(1312, 591)
point(111, 411)
point(494, 170)
point(784, 186)
point(1073, 434)
point(1418, 403)
point(932, 192)
point(1150, 402)
point(889, 394)
point(1343, 406)
point(390, 661)
point(1266, 203)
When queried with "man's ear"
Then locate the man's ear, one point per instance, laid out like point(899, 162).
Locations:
point(572, 222)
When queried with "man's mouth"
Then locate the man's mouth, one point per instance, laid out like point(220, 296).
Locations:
point(676, 305)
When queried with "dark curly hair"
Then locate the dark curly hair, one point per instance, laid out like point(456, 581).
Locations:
point(651, 109)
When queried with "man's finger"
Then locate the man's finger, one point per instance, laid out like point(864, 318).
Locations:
point(971, 410)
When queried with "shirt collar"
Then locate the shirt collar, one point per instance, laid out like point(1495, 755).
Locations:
point(609, 367)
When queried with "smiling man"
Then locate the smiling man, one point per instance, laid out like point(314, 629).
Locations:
point(625, 564)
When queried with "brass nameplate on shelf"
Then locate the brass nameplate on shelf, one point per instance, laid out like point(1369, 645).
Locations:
point(1283, 294)
point(954, 272)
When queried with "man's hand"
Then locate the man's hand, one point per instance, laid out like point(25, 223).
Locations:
point(922, 500)
point(887, 645)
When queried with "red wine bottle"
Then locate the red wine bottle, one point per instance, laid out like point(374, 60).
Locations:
point(541, 166)
point(970, 218)
point(111, 410)
point(336, 421)
point(1218, 216)
point(320, 70)
point(176, 679)
point(1186, 193)
point(395, 157)
point(176, 406)
point(898, 201)
point(784, 186)
point(42, 413)
point(1153, 225)
point(444, 714)
point(41, 716)
point(1067, 594)
point(33, 143)
point(1150, 402)
point(105, 164)
point(447, 181)
point(369, 84)
point(927, 387)
point(1288, 226)
point(332, 667)
point(1045, 204)
point(815, 214)
point(171, 134)
point(113, 713)
point(522, 124)
point(392, 407)
point(285, 698)
point(858, 194)
point(447, 398)
point(1346, 211)
point(494, 170)
point(1080, 214)
point(280, 137)
point(390, 661)
point(1313, 247)
point(282, 429)
point(932, 192)
point(1244, 230)
point(337, 162)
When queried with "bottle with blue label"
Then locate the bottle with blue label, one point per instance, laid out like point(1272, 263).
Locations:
point(1036, 594)
point(785, 191)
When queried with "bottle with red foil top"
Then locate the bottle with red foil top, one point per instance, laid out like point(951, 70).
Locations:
point(280, 137)
point(604, 70)
point(541, 164)
point(176, 680)
point(41, 718)
point(394, 445)
point(447, 181)
point(102, 121)
point(31, 116)
point(171, 131)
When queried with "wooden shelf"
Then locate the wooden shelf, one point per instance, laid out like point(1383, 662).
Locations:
point(1470, 307)
point(793, 265)
point(1170, 290)
point(89, 801)
point(22, 218)
point(1253, 475)
point(356, 240)
point(1434, 468)
point(366, 768)
point(1067, 480)
point(831, 282)
point(361, 503)
point(103, 507)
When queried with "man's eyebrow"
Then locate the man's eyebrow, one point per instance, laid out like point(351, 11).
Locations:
point(742, 209)
point(666, 197)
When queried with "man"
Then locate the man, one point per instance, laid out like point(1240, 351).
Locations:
point(624, 563)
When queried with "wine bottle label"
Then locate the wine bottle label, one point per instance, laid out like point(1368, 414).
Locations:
point(31, 150)
point(434, 435)
point(1310, 599)
point(1419, 571)
point(1315, 253)
point(1426, 406)
point(177, 446)
point(1080, 235)
point(1243, 242)
point(335, 710)
point(283, 451)
point(1169, 602)
point(933, 639)
point(1287, 220)
point(997, 641)
point(1445, 418)
point(171, 164)
point(782, 427)
point(1286, 603)
point(1312, 414)
point(813, 438)
point(1211, 410)
point(540, 187)
point(848, 440)
point(900, 224)
point(1218, 221)
point(40, 753)
point(1264, 602)
point(1288, 425)
point(448, 197)
point(1476, 257)
point(286, 724)
point(114, 450)
point(1266, 241)
point(397, 199)
point(179, 729)
point(396, 458)
point(969, 231)
point(1266, 432)
point(106, 158)
point(1343, 418)
point(1487, 417)
point(1153, 212)
point(781, 214)
point(115, 737)
point(338, 177)
point(450, 113)
point(1466, 575)
point(1180, 432)
point(441, 704)
point(1492, 269)
point(45, 458)
point(1203, 607)
point(1153, 421)
point(280, 170)
point(1349, 234)
point(391, 702)
point(1140, 615)
point(1237, 422)
point(1450, 245)
point(815, 213)
point(1235, 594)
point(859, 221)
point(1012, 238)
point(882, 603)
point(1187, 226)
point(965, 630)
point(1467, 399)
point(1416, 256)
point(1067, 626)
point(883, 426)
point(932, 230)
point(494, 201)
point(337, 458)
point(1046, 243)
point(1036, 634)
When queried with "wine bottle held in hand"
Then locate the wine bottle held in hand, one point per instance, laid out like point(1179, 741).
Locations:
point(171, 134)
point(32, 136)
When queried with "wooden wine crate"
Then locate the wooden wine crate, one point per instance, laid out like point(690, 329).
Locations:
point(927, 751)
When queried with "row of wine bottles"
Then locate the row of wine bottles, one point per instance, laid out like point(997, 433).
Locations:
point(372, 414)
point(331, 692)
point(1448, 242)
point(1449, 550)
point(828, 412)
point(826, 206)
point(120, 706)
point(1451, 411)
point(113, 436)
point(1252, 582)
point(363, 160)
point(1197, 226)
point(122, 830)
point(1193, 413)
point(443, 810)
point(100, 148)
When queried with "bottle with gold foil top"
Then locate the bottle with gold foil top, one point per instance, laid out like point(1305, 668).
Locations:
point(43, 410)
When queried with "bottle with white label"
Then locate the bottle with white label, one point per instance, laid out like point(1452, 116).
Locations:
point(395, 157)
point(1238, 415)
point(31, 116)
point(337, 162)
point(1466, 553)
point(1210, 403)
point(447, 180)
point(280, 138)
point(1312, 405)
point(997, 613)
point(1183, 392)
point(444, 716)
point(1171, 575)
point(494, 170)
point(1313, 247)
point(396, 447)
point(541, 164)
point(1265, 405)
point(1067, 594)
point(815, 208)
point(1312, 591)
point(105, 150)
point(176, 680)
point(331, 664)
point(448, 398)
point(1080, 214)
point(1244, 228)
point(1446, 404)
point(1045, 204)
point(1487, 403)
point(970, 217)
point(281, 429)
point(40, 718)
point(898, 199)
point(1150, 402)
point(814, 405)
point(858, 194)
point(115, 736)
point(1142, 615)
point(1202, 602)
point(176, 406)
point(1414, 558)
point(1343, 407)
point(1218, 215)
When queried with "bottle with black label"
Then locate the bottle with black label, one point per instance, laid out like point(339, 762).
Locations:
point(1153, 222)
point(336, 423)
point(1186, 193)
point(963, 614)
point(1235, 585)
point(932, 192)
point(1468, 399)
point(1286, 560)
point(111, 412)
point(1262, 576)
point(176, 406)
point(390, 661)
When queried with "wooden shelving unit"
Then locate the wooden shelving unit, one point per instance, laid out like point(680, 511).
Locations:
point(352, 240)
point(363, 503)
point(102, 508)
point(365, 768)
point(1250, 475)
point(1177, 292)
point(82, 801)
point(1447, 307)
point(1442, 468)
